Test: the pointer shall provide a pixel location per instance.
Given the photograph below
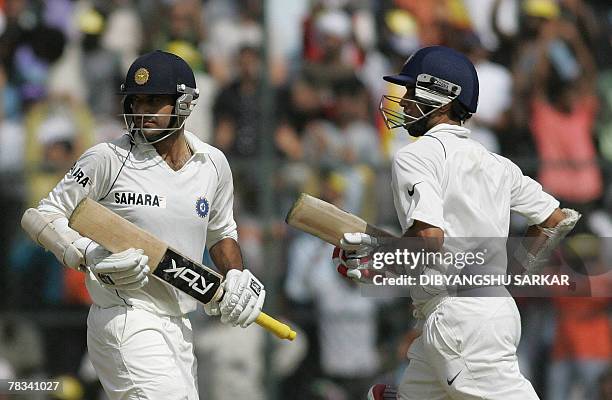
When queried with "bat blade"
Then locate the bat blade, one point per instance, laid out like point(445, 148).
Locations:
point(326, 221)
point(116, 234)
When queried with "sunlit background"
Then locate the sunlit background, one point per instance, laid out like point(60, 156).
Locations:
point(289, 92)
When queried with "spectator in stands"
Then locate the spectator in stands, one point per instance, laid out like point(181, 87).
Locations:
point(299, 105)
point(562, 121)
point(38, 50)
point(333, 57)
point(237, 108)
point(582, 347)
point(100, 67)
point(495, 95)
point(232, 31)
point(353, 118)
point(519, 52)
point(124, 30)
point(57, 131)
point(346, 319)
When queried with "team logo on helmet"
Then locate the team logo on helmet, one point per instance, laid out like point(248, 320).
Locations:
point(202, 207)
point(141, 76)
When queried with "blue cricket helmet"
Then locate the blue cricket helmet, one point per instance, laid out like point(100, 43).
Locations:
point(157, 72)
point(444, 63)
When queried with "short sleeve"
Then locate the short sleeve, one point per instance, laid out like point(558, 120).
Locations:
point(221, 224)
point(88, 177)
point(527, 197)
point(417, 191)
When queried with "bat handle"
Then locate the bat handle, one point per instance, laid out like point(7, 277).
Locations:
point(282, 331)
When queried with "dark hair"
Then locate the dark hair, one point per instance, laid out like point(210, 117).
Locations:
point(458, 112)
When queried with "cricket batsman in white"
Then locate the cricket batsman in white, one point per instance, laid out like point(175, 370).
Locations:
point(168, 182)
point(446, 185)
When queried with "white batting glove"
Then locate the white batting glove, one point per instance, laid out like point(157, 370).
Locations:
point(125, 271)
point(243, 298)
point(353, 259)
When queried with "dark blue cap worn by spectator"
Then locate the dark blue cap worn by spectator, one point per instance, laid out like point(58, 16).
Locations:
point(444, 63)
point(157, 72)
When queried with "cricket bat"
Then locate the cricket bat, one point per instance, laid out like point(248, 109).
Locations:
point(326, 221)
point(116, 234)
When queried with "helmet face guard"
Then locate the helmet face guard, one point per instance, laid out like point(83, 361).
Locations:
point(183, 107)
point(430, 94)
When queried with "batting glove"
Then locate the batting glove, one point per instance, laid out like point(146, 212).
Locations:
point(243, 298)
point(126, 270)
point(353, 259)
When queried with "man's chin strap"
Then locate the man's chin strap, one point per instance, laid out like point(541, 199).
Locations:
point(161, 136)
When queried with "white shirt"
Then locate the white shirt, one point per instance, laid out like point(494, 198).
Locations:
point(188, 209)
point(450, 181)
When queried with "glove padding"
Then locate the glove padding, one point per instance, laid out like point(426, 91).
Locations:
point(353, 259)
point(535, 263)
point(125, 271)
point(242, 301)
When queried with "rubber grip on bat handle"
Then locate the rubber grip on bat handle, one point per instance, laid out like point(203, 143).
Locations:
point(280, 330)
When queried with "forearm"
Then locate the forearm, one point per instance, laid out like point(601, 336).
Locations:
point(584, 58)
point(421, 238)
point(226, 255)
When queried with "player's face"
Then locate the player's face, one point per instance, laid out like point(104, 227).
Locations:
point(414, 111)
point(409, 106)
point(153, 104)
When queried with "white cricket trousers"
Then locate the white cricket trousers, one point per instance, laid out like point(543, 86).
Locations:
point(467, 351)
point(141, 355)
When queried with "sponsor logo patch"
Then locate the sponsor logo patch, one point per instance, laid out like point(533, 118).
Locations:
point(140, 199)
point(188, 276)
point(75, 172)
point(255, 286)
point(202, 207)
point(193, 279)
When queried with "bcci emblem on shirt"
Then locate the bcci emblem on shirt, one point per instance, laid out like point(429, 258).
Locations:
point(202, 207)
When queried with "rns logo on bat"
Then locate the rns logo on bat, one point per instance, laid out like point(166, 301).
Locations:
point(195, 280)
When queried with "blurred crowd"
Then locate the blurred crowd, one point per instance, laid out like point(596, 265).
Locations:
point(290, 92)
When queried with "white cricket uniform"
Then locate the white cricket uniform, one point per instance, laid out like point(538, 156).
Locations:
point(140, 341)
point(468, 346)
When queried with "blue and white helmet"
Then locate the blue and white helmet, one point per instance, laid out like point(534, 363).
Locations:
point(439, 75)
point(159, 73)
